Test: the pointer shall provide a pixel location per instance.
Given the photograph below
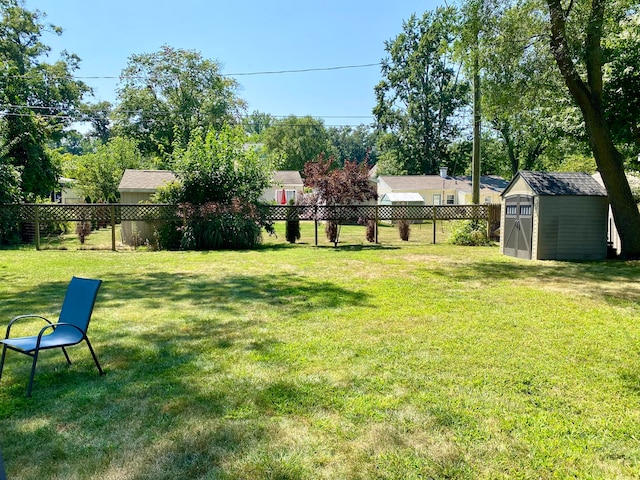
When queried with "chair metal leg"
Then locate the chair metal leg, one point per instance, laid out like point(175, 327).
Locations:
point(66, 355)
point(33, 373)
point(4, 352)
point(93, 354)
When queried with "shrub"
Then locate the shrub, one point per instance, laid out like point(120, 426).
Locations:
point(371, 231)
point(292, 232)
point(470, 233)
point(404, 228)
point(213, 226)
point(83, 229)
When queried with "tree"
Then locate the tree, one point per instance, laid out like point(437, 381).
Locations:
point(621, 93)
point(98, 174)
point(338, 186)
point(220, 184)
point(38, 98)
point(421, 92)
point(356, 144)
point(164, 96)
point(257, 122)
point(296, 140)
point(98, 115)
point(576, 43)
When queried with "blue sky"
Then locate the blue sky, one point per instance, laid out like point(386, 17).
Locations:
point(244, 36)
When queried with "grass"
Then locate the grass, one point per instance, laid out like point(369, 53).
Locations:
point(396, 361)
point(388, 235)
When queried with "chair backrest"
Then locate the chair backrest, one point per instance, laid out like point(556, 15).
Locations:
point(78, 302)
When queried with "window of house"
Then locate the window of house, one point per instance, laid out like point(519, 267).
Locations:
point(487, 200)
point(437, 199)
point(450, 199)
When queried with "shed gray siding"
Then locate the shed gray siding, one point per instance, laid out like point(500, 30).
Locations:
point(574, 228)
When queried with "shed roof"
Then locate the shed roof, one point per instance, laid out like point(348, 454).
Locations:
point(403, 197)
point(144, 180)
point(561, 183)
point(287, 177)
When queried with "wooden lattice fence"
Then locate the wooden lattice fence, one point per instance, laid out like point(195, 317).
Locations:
point(113, 214)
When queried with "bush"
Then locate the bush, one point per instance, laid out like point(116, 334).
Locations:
point(292, 232)
point(470, 233)
point(371, 231)
point(213, 227)
point(83, 230)
point(404, 228)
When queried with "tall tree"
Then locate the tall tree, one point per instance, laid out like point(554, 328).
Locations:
point(296, 140)
point(576, 43)
point(353, 143)
point(164, 96)
point(421, 92)
point(38, 98)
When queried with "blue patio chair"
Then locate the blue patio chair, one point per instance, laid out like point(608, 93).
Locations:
point(70, 329)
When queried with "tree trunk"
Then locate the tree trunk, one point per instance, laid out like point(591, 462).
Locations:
point(588, 97)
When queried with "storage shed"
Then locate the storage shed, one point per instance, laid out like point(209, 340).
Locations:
point(409, 198)
point(137, 186)
point(554, 216)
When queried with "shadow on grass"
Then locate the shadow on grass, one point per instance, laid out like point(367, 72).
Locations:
point(168, 402)
point(601, 279)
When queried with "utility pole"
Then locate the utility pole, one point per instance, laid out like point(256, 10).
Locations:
point(477, 119)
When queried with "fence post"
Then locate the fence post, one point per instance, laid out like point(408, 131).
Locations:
point(37, 223)
point(434, 223)
point(113, 227)
point(315, 220)
point(376, 220)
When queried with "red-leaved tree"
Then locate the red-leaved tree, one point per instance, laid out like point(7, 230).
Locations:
point(333, 186)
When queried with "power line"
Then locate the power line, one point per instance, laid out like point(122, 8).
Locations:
point(239, 74)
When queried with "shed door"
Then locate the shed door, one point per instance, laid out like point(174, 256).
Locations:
point(518, 226)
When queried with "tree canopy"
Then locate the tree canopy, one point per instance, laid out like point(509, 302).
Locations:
point(420, 94)
point(38, 98)
point(164, 96)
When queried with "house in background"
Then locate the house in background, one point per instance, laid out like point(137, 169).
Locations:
point(285, 185)
point(137, 186)
point(66, 193)
point(442, 189)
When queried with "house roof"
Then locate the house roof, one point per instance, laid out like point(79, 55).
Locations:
point(287, 177)
point(144, 180)
point(561, 183)
point(488, 183)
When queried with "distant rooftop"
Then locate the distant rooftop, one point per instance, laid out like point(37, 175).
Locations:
point(144, 180)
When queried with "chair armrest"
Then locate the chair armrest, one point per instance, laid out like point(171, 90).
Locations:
point(19, 317)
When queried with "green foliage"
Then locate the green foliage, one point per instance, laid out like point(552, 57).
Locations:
point(469, 233)
point(99, 173)
point(28, 80)
point(168, 94)
point(296, 140)
point(220, 181)
point(9, 193)
point(217, 167)
point(213, 227)
point(421, 93)
point(356, 144)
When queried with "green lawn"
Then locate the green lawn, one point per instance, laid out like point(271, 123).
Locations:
point(397, 361)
